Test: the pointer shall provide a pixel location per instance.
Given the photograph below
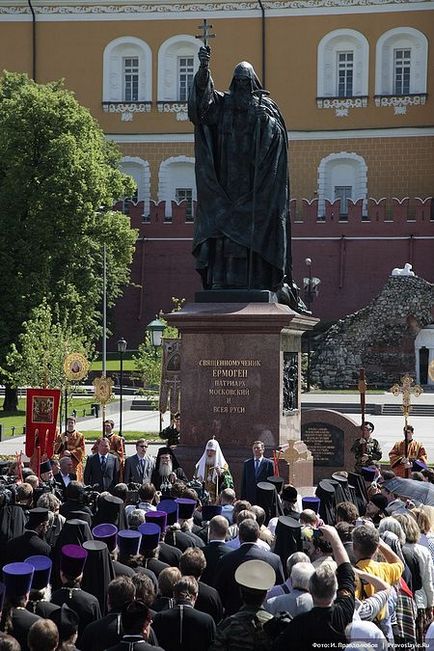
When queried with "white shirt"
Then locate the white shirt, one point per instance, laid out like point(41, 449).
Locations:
point(235, 543)
point(65, 478)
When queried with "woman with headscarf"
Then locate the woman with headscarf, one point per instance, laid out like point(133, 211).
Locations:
point(213, 471)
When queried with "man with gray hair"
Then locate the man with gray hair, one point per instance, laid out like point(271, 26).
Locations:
point(299, 600)
point(333, 603)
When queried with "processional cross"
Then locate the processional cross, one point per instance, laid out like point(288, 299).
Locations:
point(362, 390)
point(406, 390)
point(205, 35)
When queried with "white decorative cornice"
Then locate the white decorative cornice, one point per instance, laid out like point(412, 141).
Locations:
point(400, 102)
point(136, 9)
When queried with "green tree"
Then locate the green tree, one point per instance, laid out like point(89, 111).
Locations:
point(38, 358)
point(56, 172)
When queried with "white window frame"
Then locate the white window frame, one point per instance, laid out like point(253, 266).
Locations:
point(113, 69)
point(143, 180)
point(405, 38)
point(167, 183)
point(181, 45)
point(342, 40)
point(325, 186)
point(132, 72)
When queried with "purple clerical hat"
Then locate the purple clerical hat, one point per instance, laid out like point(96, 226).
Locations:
point(157, 517)
point(72, 560)
point(210, 510)
point(150, 535)
point(185, 508)
point(311, 503)
point(106, 533)
point(17, 578)
point(129, 542)
point(42, 566)
point(171, 508)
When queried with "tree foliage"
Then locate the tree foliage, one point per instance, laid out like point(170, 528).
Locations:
point(148, 360)
point(38, 358)
point(56, 172)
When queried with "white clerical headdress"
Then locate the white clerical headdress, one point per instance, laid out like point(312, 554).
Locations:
point(202, 468)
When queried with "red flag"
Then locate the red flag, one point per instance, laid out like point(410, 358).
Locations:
point(276, 464)
point(42, 408)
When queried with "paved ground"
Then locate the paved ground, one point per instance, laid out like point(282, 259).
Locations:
point(388, 429)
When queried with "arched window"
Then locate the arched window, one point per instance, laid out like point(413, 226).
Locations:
point(140, 171)
point(177, 65)
point(177, 182)
point(401, 62)
point(342, 176)
point(343, 64)
point(127, 76)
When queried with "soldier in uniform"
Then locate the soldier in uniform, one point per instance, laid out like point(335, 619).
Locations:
point(213, 471)
point(72, 561)
point(245, 629)
point(173, 432)
point(366, 449)
point(71, 444)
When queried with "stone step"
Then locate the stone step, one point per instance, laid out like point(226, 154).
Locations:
point(145, 404)
point(371, 408)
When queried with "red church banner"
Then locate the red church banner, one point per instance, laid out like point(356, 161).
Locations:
point(42, 408)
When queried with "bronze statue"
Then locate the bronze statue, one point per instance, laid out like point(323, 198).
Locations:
point(242, 228)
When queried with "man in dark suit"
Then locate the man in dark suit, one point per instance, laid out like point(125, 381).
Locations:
point(102, 468)
point(139, 467)
point(66, 473)
point(216, 547)
point(255, 470)
point(182, 628)
point(225, 573)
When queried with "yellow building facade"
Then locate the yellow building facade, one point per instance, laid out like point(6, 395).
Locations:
point(352, 78)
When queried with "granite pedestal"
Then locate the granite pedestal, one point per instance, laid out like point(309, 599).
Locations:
point(240, 378)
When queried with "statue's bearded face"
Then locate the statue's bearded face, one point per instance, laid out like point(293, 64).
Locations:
point(242, 93)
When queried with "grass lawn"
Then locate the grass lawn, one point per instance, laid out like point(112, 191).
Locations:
point(18, 420)
point(93, 435)
point(113, 365)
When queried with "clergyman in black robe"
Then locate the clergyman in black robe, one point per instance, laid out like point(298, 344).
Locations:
point(241, 151)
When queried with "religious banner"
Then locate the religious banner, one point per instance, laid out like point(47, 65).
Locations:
point(75, 367)
point(103, 389)
point(42, 408)
point(170, 385)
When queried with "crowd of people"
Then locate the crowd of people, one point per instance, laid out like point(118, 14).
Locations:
point(136, 557)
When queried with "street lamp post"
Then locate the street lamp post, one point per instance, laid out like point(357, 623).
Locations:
point(311, 289)
point(156, 329)
point(122, 347)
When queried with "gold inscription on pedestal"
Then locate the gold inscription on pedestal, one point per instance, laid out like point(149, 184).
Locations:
point(228, 379)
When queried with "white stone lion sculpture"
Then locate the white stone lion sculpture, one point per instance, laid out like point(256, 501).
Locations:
point(406, 271)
